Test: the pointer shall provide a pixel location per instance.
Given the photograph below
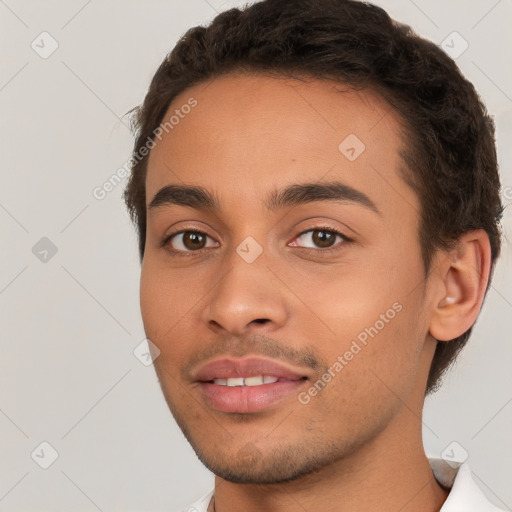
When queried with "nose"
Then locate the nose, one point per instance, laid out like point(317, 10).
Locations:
point(247, 297)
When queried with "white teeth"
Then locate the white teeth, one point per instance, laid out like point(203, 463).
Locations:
point(253, 381)
point(236, 381)
point(256, 380)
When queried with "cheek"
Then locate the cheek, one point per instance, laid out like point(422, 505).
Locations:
point(151, 299)
point(346, 300)
point(170, 302)
point(372, 317)
point(162, 302)
point(379, 372)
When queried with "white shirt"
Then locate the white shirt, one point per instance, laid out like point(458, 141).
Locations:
point(464, 496)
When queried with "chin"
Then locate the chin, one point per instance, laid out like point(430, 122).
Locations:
point(249, 465)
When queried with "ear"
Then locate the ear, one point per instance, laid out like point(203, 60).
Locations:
point(461, 286)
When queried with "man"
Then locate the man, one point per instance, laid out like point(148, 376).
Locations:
point(317, 201)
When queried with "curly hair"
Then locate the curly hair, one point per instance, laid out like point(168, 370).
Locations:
point(449, 156)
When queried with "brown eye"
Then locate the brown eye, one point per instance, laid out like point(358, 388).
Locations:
point(186, 241)
point(321, 238)
point(193, 240)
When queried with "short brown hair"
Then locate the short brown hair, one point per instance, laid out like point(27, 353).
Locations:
point(450, 153)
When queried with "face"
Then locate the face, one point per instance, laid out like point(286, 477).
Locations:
point(292, 325)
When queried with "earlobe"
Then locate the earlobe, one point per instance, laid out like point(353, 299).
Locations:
point(464, 277)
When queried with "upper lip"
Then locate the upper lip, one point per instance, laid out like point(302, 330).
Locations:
point(228, 367)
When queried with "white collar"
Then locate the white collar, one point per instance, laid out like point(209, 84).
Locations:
point(465, 495)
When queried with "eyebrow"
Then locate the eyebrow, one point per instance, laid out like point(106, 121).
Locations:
point(294, 195)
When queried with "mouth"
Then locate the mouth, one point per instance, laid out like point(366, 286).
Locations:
point(247, 385)
point(256, 380)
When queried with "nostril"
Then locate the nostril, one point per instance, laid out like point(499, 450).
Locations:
point(261, 320)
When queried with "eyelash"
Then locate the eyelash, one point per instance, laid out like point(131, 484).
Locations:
point(327, 229)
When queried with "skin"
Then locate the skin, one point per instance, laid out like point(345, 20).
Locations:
point(357, 444)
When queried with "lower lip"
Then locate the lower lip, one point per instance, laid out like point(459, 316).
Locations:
point(243, 399)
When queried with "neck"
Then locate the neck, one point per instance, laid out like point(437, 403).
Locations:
point(391, 472)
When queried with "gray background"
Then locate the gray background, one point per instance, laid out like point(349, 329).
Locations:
point(70, 323)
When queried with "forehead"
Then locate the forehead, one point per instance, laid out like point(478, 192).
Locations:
point(248, 134)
